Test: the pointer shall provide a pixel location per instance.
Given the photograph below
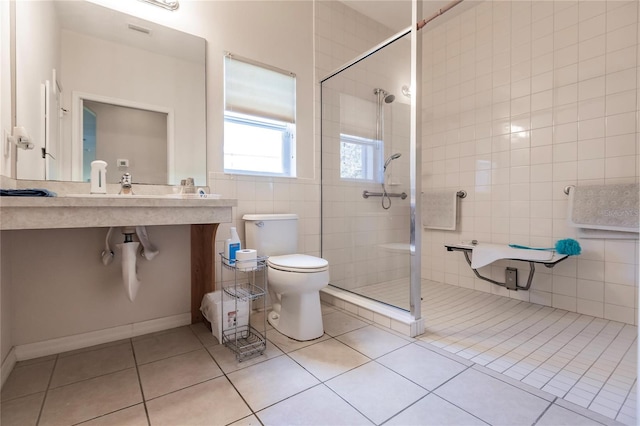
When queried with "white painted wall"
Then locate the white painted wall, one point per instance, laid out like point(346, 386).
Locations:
point(5, 89)
point(35, 24)
point(6, 341)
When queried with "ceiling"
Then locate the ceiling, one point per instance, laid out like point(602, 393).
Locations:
point(395, 14)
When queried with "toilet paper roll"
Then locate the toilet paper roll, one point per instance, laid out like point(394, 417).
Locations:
point(246, 259)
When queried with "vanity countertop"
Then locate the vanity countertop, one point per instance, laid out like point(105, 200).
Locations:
point(91, 211)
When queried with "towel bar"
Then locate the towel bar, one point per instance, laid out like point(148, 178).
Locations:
point(367, 194)
point(532, 268)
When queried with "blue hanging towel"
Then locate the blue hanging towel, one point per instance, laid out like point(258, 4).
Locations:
point(27, 193)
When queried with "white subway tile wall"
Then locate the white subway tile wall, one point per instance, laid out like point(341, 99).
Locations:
point(540, 95)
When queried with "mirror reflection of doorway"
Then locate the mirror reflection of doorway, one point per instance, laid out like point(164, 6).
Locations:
point(129, 139)
point(89, 126)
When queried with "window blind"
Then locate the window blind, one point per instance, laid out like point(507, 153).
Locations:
point(259, 90)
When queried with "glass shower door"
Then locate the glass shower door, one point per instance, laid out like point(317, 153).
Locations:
point(365, 175)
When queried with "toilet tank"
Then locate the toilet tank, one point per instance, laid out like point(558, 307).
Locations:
point(271, 234)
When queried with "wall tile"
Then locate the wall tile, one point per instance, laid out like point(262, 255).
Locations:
point(592, 47)
point(621, 295)
point(591, 149)
point(592, 27)
point(589, 307)
point(621, 145)
point(590, 290)
point(620, 273)
point(619, 38)
point(619, 167)
point(621, 251)
point(619, 313)
point(564, 302)
point(591, 129)
point(591, 169)
point(556, 105)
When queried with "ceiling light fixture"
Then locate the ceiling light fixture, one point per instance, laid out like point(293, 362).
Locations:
point(166, 4)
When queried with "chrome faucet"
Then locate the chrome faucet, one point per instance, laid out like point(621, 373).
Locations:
point(125, 184)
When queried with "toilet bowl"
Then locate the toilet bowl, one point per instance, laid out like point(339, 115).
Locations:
point(294, 280)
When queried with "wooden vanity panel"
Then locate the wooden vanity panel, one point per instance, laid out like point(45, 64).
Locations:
point(203, 266)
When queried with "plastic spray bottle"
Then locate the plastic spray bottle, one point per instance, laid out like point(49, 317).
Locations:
point(231, 246)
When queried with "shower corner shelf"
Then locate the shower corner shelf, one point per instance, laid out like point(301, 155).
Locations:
point(244, 340)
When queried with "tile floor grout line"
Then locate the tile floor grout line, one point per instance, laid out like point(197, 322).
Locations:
point(548, 338)
point(226, 376)
point(567, 336)
point(452, 403)
point(629, 348)
point(454, 319)
point(626, 397)
point(46, 391)
point(471, 310)
point(497, 326)
point(407, 407)
point(547, 358)
point(144, 400)
point(524, 331)
point(551, 404)
point(585, 372)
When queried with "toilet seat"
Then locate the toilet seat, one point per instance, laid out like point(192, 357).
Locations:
point(301, 263)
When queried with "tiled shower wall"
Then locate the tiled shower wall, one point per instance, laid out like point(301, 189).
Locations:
point(520, 100)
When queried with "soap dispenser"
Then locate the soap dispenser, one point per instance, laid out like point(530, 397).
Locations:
point(231, 246)
point(98, 177)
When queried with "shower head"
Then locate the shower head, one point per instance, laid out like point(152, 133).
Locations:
point(390, 159)
point(383, 94)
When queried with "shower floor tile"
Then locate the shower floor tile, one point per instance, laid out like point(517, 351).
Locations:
point(588, 361)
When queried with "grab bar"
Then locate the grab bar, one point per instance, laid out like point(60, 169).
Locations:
point(367, 194)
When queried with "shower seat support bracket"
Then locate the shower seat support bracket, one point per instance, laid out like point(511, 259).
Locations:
point(532, 268)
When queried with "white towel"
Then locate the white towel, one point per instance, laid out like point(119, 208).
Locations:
point(611, 207)
point(485, 253)
point(440, 210)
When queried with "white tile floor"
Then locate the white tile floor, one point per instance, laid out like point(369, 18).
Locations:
point(357, 373)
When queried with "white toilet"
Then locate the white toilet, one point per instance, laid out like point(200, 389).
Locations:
point(294, 280)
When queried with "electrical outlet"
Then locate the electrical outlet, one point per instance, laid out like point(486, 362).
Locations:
point(511, 278)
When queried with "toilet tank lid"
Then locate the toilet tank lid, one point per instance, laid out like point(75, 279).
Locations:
point(283, 216)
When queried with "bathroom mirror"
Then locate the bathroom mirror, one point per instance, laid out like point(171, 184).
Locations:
point(69, 52)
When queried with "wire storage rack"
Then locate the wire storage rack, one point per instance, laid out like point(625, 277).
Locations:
point(249, 284)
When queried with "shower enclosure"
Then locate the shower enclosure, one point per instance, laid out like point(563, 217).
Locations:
point(368, 211)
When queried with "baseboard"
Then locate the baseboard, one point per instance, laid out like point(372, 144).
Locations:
point(78, 341)
point(7, 366)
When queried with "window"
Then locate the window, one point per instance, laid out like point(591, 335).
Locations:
point(259, 119)
point(360, 151)
point(359, 158)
